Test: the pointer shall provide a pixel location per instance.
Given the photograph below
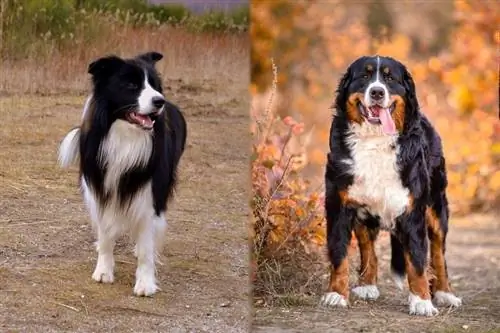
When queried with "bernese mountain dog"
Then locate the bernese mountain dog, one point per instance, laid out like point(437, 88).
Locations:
point(128, 145)
point(386, 170)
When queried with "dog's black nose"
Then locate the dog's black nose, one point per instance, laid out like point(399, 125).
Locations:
point(158, 102)
point(377, 93)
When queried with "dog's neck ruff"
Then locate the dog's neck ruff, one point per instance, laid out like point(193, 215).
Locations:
point(125, 147)
point(377, 183)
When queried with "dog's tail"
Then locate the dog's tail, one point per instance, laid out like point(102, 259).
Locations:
point(398, 265)
point(69, 148)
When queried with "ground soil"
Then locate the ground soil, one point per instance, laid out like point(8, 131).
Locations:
point(473, 255)
point(46, 243)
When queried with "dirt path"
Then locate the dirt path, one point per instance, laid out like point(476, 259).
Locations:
point(46, 244)
point(473, 253)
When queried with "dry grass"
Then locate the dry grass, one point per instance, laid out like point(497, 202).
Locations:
point(45, 235)
point(188, 56)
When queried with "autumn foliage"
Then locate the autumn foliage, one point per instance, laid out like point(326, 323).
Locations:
point(311, 44)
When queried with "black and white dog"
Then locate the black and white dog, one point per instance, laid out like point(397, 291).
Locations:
point(386, 170)
point(128, 145)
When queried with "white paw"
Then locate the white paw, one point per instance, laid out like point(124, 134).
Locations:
point(104, 274)
point(447, 299)
point(145, 286)
point(421, 307)
point(368, 292)
point(333, 299)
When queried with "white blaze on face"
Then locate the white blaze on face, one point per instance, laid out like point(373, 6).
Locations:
point(377, 84)
point(146, 96)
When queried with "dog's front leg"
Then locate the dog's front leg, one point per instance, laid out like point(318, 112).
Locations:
point(339, 230)
point(412, 231)
point(145, 280)
point(104, 270)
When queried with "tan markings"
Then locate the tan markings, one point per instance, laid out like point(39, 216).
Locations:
point(368, 268)
point(346, 200)
point(353, 113)
point(339, 279)
point(369, 68)
point(89, 115)
point(386, 70)
point(439, 281)
point(399, 112)
point(418, 284)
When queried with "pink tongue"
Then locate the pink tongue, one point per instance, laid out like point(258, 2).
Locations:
point(143, 120)
point(387, 123)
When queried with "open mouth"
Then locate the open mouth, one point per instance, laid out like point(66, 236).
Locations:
point(144, 121)
point(376, 114)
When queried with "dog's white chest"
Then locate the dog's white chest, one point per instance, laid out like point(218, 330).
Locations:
point(377, 183)
point(125, 147)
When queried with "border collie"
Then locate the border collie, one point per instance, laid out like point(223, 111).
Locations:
point(128, 145)
point(386, 170)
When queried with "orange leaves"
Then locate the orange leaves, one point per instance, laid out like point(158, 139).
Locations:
point(312, 45)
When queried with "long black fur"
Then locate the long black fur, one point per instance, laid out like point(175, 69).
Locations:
point(423, 172)
point(169, 133)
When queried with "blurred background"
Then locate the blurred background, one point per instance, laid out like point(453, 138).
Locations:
point(451, 48)
point(64, 35)
point(300, 49)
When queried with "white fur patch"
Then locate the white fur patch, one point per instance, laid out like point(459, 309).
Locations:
point(86, 106)
point(421, 307)
point(333, 299)
point(376, 178)
point(377, 84)
point(443, 298)
point(126, 146)
point(368, 292)
point(69, 148)
point(145, 99)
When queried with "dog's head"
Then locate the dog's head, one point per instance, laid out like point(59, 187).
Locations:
point(378, 90)
point(130, 89)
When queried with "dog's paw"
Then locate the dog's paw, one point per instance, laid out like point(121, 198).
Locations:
point(103, 274)
point(333, 299)
point(367, 292)
point(421, 307)
point(443, 298)
point(145, 286)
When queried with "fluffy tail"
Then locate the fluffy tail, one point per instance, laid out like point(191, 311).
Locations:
point(69, 148)
point(398, 265)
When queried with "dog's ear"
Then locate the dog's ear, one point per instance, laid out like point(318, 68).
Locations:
point(105, 65)
point(151, 57)
point(411, 93)
point(344, 83)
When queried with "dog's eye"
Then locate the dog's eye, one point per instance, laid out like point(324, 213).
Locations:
point(388, 77)
point(366, 76)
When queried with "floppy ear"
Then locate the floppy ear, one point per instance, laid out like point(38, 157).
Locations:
point(342, 90)
point(105, 65)
point(151, 57)
point(411, 93)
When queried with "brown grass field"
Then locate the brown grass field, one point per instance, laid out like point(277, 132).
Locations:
point(46, 243)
